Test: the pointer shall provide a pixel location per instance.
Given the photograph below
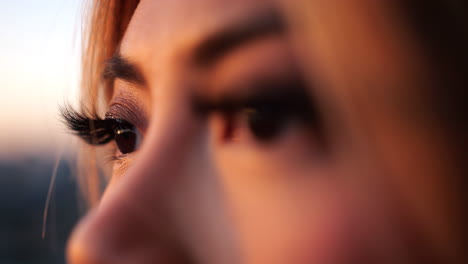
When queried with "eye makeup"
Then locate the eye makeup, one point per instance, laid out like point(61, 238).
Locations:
point(127, 105)
point(122, 123)
point(267, 106)
point(96, 131)
point(89, 127)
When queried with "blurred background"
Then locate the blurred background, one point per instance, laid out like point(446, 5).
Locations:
point(39, 69)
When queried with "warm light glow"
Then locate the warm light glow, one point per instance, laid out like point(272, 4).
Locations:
point(39, 62)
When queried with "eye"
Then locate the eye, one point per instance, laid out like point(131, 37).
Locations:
point(265, 112)
point(126, 136)
point(265, 122)
point(266, 117)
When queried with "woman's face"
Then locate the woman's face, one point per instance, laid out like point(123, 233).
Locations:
point(254, 144)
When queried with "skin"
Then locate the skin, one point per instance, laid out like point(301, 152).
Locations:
point(362, 194)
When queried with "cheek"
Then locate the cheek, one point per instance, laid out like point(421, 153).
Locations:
point(291, 222)
point(286, 208)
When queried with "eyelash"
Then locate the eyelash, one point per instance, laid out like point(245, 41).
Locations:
point(97, 131)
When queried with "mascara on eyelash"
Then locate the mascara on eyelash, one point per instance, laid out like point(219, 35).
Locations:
point(89, 127)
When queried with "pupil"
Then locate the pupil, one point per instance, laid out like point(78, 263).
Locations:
point(265, 123)
point(125, 138)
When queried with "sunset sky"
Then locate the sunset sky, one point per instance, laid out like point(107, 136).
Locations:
point(39, 66)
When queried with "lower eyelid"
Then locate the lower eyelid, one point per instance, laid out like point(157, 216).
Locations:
point(121, 164)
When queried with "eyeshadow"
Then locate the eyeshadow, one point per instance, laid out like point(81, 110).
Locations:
point(125, 105)
point(287, 95)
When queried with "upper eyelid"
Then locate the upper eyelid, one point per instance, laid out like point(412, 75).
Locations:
point(126, 107)
point(289, 90)
point(120, 111)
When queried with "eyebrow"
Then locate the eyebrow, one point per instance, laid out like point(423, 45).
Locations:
point(119, 67)
point(225, 40)
point(208, 51)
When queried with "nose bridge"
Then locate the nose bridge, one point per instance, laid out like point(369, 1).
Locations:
point(164, 148)
point(133, 220)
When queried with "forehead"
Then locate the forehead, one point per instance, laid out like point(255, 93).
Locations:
point(160, 28)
